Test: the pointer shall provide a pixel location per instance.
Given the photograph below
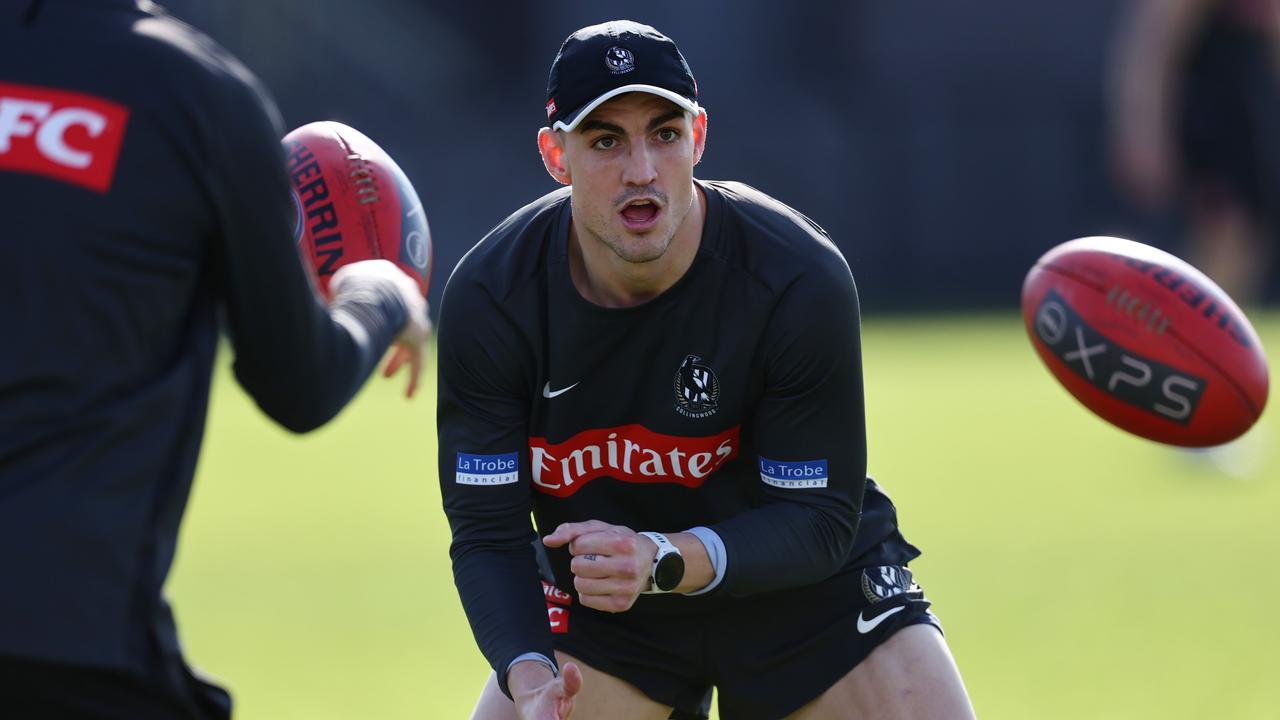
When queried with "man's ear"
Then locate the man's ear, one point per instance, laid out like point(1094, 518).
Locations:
point(699, 135)
point(551, 145)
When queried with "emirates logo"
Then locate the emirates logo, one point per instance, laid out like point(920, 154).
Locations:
point(631, 454)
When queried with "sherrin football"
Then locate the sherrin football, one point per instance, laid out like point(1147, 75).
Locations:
point(1146, 341)
point(353, 203)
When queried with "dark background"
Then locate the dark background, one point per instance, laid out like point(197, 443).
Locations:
point(944, 145)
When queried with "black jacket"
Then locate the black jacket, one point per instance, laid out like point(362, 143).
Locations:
point(144, 201)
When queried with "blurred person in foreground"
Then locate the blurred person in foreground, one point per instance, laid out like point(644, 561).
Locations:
point(1195, 109)
point(666, 371)
point(144, 193)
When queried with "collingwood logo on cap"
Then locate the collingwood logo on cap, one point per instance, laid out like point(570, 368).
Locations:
point(598, 62)
point(619, 60)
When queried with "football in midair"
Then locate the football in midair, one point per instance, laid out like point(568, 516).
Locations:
point(1146, 341)
point(353, 202)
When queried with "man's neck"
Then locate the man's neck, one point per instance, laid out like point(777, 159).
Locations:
point(607, 280)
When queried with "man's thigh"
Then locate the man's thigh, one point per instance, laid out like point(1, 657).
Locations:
point(602, 696)
point(910, 676)
point(779, 652)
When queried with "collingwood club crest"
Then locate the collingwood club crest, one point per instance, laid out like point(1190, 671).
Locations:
point(619, 60)
point(697, 389)
point(886, 581)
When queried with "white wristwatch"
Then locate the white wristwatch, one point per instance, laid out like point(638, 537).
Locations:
point(668, 565)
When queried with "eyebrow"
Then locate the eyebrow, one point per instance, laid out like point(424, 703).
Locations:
point(664, 119)
point(589, 125)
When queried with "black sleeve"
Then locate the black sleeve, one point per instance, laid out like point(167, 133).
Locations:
point(300, 361)
point(484, 475)
point(810, 430)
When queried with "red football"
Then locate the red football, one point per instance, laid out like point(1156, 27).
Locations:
point(1146, 341)
point(353, 203)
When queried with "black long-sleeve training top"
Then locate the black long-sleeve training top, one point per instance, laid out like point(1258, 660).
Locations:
point(733, 401)
point(143, 194)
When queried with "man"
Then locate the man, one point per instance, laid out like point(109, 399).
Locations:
point(144, 195)
point(1194, 102)
point(667, 373)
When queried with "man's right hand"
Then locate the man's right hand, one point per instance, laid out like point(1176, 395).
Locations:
point(539, 695)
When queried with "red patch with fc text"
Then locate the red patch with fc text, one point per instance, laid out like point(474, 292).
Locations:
point(67, 136)
point(558, 602)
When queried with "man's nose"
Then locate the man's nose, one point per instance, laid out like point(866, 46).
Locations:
point(640, 169)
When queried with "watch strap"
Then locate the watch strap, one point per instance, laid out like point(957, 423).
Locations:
point(665, 548)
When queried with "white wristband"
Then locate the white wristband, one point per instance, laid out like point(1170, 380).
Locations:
point(715, 553)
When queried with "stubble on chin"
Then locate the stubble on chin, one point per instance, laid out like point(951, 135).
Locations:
point(635, 248)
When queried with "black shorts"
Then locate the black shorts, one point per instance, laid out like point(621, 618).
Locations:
point(1230, 108)
point(767, 655)
point(34, 690)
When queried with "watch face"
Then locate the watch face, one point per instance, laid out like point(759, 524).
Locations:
point(669, 572)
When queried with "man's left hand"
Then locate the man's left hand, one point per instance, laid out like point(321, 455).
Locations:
point(611, 563)
point(409, 346)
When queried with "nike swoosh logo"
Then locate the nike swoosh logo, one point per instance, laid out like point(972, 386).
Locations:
point(866, 626)
point(547, 392)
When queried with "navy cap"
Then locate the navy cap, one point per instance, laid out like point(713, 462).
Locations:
point(603, 61)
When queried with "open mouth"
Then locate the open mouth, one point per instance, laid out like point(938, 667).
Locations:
point(640, 214)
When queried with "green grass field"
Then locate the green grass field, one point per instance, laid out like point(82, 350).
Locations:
point(1080, 572)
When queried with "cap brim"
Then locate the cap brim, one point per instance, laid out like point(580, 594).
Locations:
point(585, 110)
